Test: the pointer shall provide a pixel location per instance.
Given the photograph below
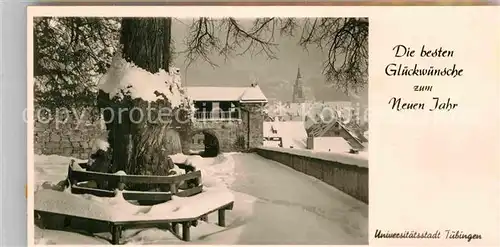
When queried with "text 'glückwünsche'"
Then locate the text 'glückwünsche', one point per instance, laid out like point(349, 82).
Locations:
point(400, 69)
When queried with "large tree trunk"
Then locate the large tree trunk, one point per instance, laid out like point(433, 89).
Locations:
point(143, 147)
point(146, 42)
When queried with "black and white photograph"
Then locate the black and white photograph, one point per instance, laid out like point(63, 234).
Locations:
point(213, 131)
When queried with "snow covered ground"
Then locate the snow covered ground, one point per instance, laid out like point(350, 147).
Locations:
point(293, 133)
point(273, 205)
point(49, 170)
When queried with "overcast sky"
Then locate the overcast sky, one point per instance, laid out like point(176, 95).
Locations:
point(275, 76)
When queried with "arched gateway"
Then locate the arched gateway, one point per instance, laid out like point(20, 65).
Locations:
point(206, 141)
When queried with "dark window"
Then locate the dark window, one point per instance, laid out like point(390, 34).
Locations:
point(225, 105)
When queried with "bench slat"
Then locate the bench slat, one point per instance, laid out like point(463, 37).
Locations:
point(95, 176)
point(137, 195)
point(139, 179)
point(173, 220)
point(96, 192)
point(130, 179)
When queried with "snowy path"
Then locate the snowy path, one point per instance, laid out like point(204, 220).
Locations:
point(293, 208)
point(274, 204)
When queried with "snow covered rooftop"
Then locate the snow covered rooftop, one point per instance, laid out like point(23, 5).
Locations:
point(284, 129)
point(253, 94)
point(292, 133)
point(331, 144)
point(242, 94)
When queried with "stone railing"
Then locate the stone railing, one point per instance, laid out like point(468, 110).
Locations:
point(346, 172)
point(217, 115)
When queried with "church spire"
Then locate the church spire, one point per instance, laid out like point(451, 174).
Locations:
point(298, 72)
point(298, 94)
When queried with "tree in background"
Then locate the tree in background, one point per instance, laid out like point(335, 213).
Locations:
point(345, 40)
point(70, 55)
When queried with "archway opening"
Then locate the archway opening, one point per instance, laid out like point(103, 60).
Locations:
point(211, 145)
point(205, 143)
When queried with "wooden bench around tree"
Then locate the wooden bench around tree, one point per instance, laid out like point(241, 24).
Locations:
point(188, 186)
point(48, 202)
point(183, 185)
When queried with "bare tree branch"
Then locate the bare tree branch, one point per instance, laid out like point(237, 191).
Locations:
point(226, 36)
point(69, 55)
point(345, 41)
point(74, 51)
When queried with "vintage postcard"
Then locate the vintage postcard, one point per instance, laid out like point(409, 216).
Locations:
point(250, 125)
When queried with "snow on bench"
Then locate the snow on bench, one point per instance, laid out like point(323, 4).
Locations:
point(83, 206)
point(117, 209)
point(120, 213)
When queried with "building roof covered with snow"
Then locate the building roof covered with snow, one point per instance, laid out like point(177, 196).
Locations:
point(333, 129)
point(252, 94)
point(292, 133)
point(331, 144)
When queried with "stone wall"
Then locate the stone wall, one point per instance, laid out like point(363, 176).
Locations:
point(73, 137)
point(67, 136)
point(347, 173)
point(253, 120)
point(233, 135)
